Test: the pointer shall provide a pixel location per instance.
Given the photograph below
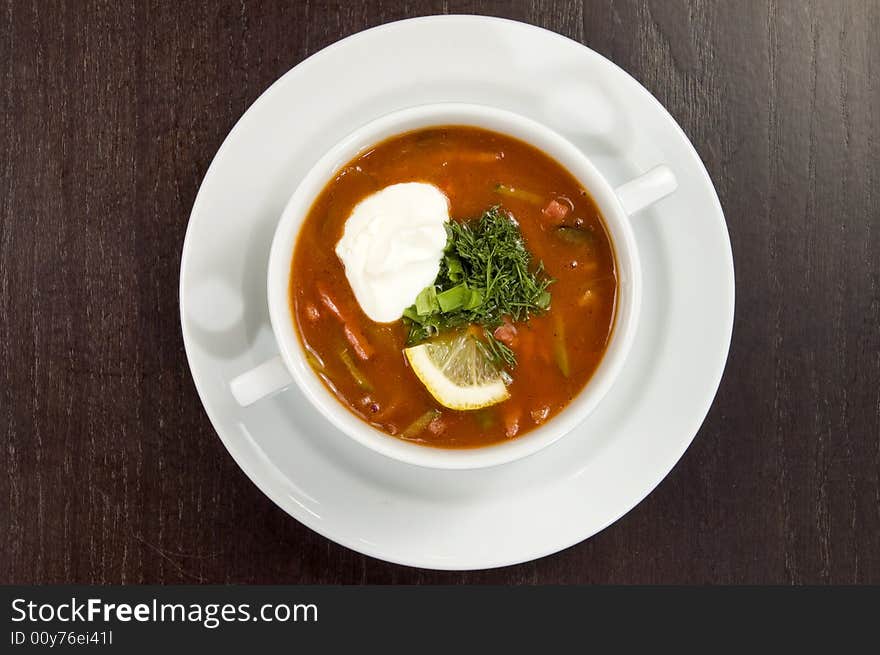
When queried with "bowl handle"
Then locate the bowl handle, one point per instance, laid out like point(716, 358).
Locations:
point(269, 377)
point(646, 189)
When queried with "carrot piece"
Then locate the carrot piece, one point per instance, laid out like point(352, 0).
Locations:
point(327, 301)
point(358, 341)
point(355, 337)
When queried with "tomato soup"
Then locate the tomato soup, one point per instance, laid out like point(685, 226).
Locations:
point(549, 352)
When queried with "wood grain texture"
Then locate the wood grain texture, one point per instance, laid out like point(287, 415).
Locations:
point(111, 113)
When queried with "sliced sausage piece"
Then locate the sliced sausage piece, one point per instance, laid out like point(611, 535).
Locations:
point(556, 210)
point(540, 415)
point(512, 415)
point(506, 334)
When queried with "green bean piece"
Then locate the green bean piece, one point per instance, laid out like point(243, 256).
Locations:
point(575, 235)
point(359, 377)
point(415, 428)
point(519, 194)
point(560, 351)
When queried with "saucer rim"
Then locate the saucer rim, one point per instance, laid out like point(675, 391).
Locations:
point(522, 556)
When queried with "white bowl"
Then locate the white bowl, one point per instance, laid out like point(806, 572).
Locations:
point(615, 206)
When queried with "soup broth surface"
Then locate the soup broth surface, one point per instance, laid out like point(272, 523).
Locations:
point(557, 352)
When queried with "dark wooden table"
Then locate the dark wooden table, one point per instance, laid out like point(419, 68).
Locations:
point(111, 113)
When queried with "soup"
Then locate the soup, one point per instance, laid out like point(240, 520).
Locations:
point(519, 302)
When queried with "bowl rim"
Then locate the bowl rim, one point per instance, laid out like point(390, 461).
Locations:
point(575, 161)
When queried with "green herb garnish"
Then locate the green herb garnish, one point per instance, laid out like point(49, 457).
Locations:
point(499, 351)
point(484, 276)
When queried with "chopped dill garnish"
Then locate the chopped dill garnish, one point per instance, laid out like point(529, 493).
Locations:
point(498, 351)
point(485, 275)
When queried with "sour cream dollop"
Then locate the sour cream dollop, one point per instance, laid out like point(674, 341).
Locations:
point(392, 245)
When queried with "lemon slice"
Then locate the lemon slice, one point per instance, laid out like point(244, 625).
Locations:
point(458, 373)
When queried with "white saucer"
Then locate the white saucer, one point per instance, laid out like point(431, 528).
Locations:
point(459, 519)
